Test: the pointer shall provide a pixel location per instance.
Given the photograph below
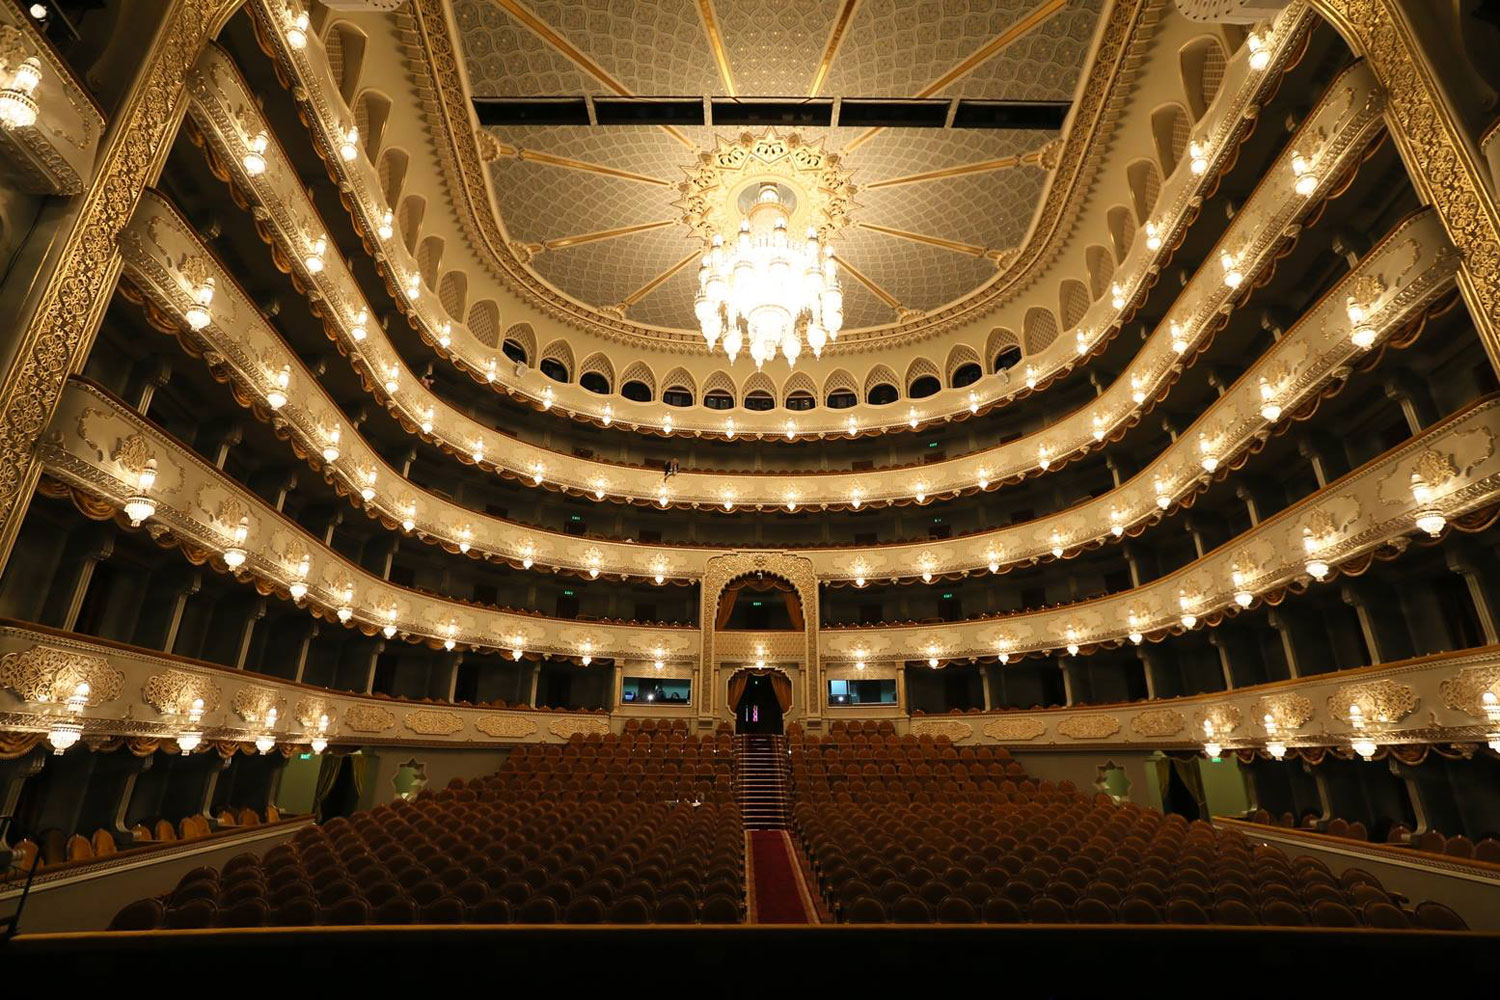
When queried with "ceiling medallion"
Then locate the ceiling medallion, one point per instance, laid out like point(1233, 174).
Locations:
point(760, 286)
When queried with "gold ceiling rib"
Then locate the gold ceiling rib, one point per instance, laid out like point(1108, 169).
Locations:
point(658, 281)
point(533, 156)
point(564, 242)
point(716, 40)
point(859, 276)
point(1043, 11)
point(835, 39)
point(576, 56)
point(932, 241)
point(1004, 163)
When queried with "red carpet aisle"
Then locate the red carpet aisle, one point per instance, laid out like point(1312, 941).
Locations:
point(777, 892)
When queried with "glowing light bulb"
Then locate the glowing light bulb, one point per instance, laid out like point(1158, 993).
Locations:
point(1306, 180)
point(465, 538)
point(349, 148)
point(1207, 459)
point(983, 479)
point(1153, 237)
point(1163, 499)
point(1117, 296)
point(427, 420)
point(1197, 158)
point(445, 335)
point(1137, 390)
point(1179, 340)
point(254, 160)
point(1043, 457)
point(358, 327)
point(385, 228)
point(392, 380)
point(993, 561)
point(973, 402)
point(1260, 51)
point(331, 445)
point(1233, 276)
point(608, 416)
point(414, 287)
point(1269, 408)
point(276, 395)
point(1072, 641)
point(197, 314)
point(1098, 422)
point(296, 31)
point(367, 491)
point(1030, 377)
point(853, 426)
point(921, 492)
point(1116, 525)
point(314, 259)
point(855, 498)
point(599, 485)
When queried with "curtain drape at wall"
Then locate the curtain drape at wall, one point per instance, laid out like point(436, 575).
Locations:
point(737, 685)
point(781, 686)
point(328, 773)
point(731, 594)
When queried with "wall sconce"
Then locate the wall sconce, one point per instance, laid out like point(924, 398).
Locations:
point(190, 736)
point(389, 630)
point(1179, 339)
point(1260, 51)
point(358, 328)
point(331, 445)
point(140, 506)
point(234, 556)
point(296, 29)
point(280, 382)
point(349, 148)
point(197, 314)
point(298, 587)
point(1316, 567)
point(67, 729)
point(265, 741)
point(1153, 236)
point(314, 259)
point(385, 229)
point(18, 107)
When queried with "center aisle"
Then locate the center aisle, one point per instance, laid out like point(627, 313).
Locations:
point(778, 894)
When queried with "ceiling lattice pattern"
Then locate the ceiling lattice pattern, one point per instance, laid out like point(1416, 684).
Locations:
point(890, 48)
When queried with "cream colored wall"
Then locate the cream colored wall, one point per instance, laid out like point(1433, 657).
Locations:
point(441, 766)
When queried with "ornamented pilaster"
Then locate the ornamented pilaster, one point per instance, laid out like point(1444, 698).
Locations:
point(60, 328)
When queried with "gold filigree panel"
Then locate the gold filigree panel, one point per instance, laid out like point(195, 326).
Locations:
point(1225, 719)
point(172, 692)
point(1379, 702)
point(254, 703)
point(588, 725)
point(46, 674)
point(1089, 727)
point(505, 727)
point(1288, 711)
point(433, 722)
point(369, 719)
point(1465, 692)
point(1017, 729)
point(1158, 722)
point(310, 710)
point(951, 728)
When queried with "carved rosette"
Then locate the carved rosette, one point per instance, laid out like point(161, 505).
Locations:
point(172, 692)
point(1014, 730)
point(1288, 711)
point(432, 722)
point(505, 727)
point(951, 728)
point(1380, 702)
point(1465, 691)
point(1158, 722)
point(369, 719)
point(587, 725)
point(253, 703)
point(1096, 726)
point(48, 674)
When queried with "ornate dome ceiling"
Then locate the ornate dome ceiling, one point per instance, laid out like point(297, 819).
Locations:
point(597, 211)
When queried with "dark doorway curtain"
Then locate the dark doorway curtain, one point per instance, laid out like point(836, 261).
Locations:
point(758, 710)
point(1181, 788)
point(731, 594)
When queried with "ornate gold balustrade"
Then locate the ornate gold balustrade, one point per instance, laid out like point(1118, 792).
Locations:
point(143, 694)
point(1405, 274)
point(1227, 121)
point(54, 153)
point(139, 693)
point(98, 447)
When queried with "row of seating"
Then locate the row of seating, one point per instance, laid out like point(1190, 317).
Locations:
point(1429, 841)
point(1061, 858)
point(56, 848)
point(508, 847)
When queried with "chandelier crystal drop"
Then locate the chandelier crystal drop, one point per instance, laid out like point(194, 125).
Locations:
point(767, 292)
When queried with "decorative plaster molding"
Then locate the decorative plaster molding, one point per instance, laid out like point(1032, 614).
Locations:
point(1089, 727)
point(573, 725)
point(172, 692)
point(951, 728)
point(433, 722)
point(48, 675)
point(505, 726)
point(368, 719)
point(1014, 729)
point(1158, 722)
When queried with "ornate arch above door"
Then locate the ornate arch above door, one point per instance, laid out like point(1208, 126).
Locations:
point(724, 570)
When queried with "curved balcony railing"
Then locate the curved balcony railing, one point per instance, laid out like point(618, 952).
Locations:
point(1402, 277)
point(98, 449)
point(1261, 227)
point(146, 694)
point(1216, 137)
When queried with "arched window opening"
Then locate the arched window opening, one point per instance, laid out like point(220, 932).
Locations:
point(882, 394)
point(1007, 359)
point(595, 382)
point(967, 375)
point(636, 391)
point(924, 386)
point(677, 396)
point(760, 400)
point(554, 369)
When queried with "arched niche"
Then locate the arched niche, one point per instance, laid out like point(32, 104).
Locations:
point(721, 573)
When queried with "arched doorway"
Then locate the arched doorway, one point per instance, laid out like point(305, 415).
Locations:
point(760, 699)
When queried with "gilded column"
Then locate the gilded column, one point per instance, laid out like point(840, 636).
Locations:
point(57, 330)
point(1444, 165)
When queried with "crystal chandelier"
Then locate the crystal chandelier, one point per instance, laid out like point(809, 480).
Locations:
point(768, 292)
